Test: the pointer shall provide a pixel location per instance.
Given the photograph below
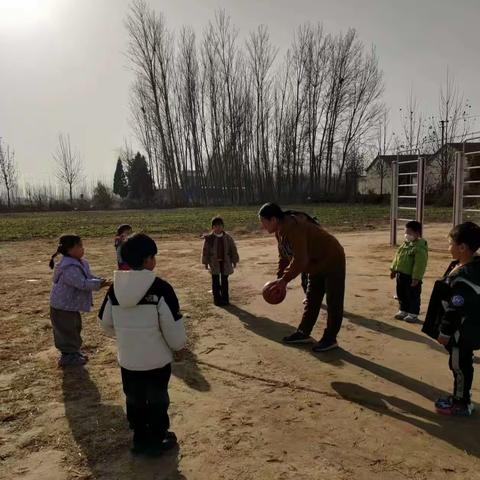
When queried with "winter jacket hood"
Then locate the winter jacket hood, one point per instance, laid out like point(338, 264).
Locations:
point(130, 286)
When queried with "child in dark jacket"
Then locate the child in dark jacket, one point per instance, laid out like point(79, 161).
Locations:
point(220, 255)
point(408, 268)
point(453, 316)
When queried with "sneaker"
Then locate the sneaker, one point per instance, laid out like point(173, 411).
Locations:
point(297, 337)
point(140, 443)
point(324, 345)
point(169, 442)
point(71, 360)
point(411, 318)
point(400, 315)
point(444, 402)
point(455, 408)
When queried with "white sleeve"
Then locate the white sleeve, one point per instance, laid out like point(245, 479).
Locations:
point(173, 330)
point(105, 317)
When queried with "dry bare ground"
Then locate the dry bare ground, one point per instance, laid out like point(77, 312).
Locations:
point(243, 405)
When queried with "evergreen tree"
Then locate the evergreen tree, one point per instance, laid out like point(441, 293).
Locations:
point(139, 179)
point(120, 185)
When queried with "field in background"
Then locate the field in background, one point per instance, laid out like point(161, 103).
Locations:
point(25, 226)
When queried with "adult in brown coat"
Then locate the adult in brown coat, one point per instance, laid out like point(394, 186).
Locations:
point(305, 247)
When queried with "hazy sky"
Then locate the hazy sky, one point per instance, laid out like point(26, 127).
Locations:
point(63, 66)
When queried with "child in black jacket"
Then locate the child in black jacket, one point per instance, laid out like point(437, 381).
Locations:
point(453, 316)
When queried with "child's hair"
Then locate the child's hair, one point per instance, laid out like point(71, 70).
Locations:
point(467, 233)
point(217, 221)
point(137, 249)
point(123, 228)
point(415, 226)
point(65, 243)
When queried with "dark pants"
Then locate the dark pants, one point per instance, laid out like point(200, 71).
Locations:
point(147, 400)
point(67, 327)
point(333, 284)
point(304, 282)
point(461, 365)
point(220, 288)
point(408, 296)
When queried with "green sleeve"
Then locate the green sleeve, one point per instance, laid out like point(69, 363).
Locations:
point(420, 265)
point(394, 265)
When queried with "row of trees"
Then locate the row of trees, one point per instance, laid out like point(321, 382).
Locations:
point(228, 121)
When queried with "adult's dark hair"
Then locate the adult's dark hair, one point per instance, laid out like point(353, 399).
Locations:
point(414, 226)
point(65, 243)
point(137, 249)
point(467, 233)
point(217, 221)
point(271, 210)
point(123, 228)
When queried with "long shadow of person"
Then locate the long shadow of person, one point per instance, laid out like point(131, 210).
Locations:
point(397, 332)
point(101, 433)
point(459, 432)
point(189, 371)
point(274, 331)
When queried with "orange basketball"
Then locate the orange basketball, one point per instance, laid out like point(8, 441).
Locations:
point(273, 295)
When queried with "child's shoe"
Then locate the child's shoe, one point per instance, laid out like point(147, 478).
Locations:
point(400, 315)
point(141, 443)
point(71, 360)
point(452, 406)
point(156, 447)
point(411, 318)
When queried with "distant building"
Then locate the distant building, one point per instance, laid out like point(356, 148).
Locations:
point(378, 174)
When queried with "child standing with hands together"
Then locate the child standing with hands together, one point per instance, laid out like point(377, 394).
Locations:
point(73, 284)
point(408, 267)
point(220, 255)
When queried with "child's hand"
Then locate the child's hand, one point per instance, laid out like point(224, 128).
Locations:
point(392, 275)
point(415, 283)
point(180, 355)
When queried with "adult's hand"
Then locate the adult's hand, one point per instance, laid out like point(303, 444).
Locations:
point(443, 339)
point(279, 284)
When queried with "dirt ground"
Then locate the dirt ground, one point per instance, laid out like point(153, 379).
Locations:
point(243, 405)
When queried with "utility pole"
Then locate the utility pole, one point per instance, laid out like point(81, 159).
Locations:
point(411, 131)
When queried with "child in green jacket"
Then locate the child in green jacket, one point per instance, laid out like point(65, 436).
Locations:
point(408, 267)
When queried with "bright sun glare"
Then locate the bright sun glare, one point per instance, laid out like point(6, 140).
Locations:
point(23, 13)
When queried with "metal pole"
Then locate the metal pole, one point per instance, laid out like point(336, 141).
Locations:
point(458, 188)
point(420, 189)
point(394, 204)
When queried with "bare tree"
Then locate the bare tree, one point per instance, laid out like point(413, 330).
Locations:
point(8, 171)
point(455, 128)
point(383, 143)
point(69, 165)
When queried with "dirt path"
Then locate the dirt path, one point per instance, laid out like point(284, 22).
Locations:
point(243, 405)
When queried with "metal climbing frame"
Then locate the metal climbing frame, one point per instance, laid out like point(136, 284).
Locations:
point(467, 177)
point(408, 186)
